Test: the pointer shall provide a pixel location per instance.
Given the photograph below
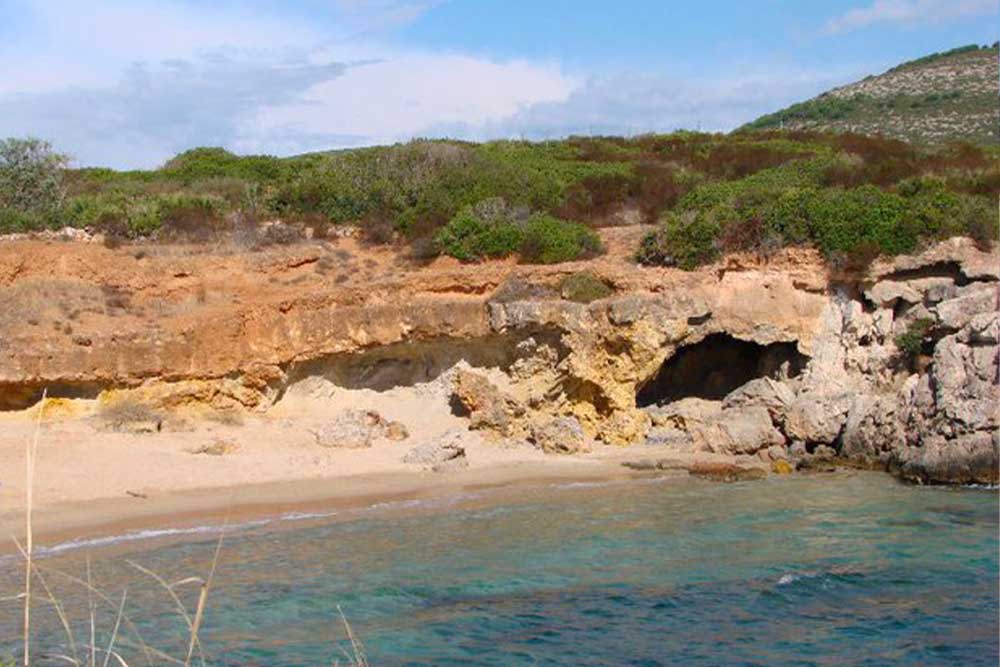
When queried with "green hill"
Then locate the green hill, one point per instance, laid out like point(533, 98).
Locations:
point(938, 98)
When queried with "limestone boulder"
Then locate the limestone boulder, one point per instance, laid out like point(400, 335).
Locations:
point(443, 453)
point(685, 413)
point(737, 431)
point(873, 428)
point(972, 300)
point(967, 459)
point(817, 417)
point(766, 393)
point(488, 407)
point(560, 435)
point(355, 429)
point(887, 293)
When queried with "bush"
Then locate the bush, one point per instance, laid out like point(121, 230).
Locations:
point(584, 287)
point(30, 176)
point(843, 220)
point(911, 342)
point(485, 230)
point(687, 240)
point(548, 240)
point(13, 221)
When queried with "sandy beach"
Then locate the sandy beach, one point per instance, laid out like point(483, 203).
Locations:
point(93, 482)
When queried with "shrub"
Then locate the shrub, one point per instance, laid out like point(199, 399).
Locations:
point(485, 230)
point(14, 221)
point(911, 342)
point(30, 176)
point(686, 240)
point(126, 413)
point(549, 240)
point(843, 220)
point(180, 217)
point(584, 287)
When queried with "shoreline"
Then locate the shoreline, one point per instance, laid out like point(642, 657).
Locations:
point(104, 522)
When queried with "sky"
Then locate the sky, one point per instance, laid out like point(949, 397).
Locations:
point(130, 83)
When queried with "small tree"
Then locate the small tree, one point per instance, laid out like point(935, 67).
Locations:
point(30, 175)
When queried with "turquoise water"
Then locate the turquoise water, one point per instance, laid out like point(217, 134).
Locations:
point(852, 569)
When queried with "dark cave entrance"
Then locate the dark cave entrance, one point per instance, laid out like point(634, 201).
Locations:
point(717, 365)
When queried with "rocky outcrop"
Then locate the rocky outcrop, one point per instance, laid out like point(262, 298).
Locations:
point(927, 414)
point(532, 365)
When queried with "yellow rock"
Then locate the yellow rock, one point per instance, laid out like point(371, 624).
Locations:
point(781, 467)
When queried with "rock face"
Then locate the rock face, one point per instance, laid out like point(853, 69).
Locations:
point(561, 373)
point(929, 419)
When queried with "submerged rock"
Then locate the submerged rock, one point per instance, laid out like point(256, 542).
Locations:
point(726, 472)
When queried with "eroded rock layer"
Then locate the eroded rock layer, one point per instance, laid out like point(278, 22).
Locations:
point(776, 360)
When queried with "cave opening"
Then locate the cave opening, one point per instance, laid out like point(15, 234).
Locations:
point(717, 365)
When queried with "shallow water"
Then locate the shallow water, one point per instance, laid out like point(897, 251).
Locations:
point(852, 569)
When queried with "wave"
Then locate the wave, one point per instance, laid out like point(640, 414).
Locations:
point(154, 533)
point(217, 528)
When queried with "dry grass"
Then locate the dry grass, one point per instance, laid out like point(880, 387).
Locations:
point(129, 414)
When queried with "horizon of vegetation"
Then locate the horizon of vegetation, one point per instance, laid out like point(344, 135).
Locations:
point(852, 196)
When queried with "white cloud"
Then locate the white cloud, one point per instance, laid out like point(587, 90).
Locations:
point(407, 94)
point(632, 104)
point(909, 12)
point(130, 83)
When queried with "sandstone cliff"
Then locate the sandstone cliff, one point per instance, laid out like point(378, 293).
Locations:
point(775, 360)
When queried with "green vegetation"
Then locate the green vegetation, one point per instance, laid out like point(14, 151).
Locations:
point(911, 341)
point(870, 197)
point(942, 55)
point(850, 195)
point(491, 229)
point(31, 190)
point(941, 97)
point(584, 287)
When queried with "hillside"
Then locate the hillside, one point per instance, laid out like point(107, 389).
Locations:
point(941, 97)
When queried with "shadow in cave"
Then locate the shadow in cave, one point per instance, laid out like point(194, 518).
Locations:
point(717, 365)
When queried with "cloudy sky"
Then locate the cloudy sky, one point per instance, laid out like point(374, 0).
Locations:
point(129, 83)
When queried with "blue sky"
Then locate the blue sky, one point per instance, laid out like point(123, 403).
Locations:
point(129, 83)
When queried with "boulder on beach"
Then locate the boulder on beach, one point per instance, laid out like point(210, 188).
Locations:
point(441, 454)
point(357, 429)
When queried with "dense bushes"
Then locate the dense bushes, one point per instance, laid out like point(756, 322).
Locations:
point(548, 240)
point(178, 216)
point(848, 194)
point(790, 205)
point(488, 230)
point(492, 229)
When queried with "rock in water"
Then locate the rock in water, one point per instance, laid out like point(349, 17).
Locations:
point(781, 467)
point(726, 472)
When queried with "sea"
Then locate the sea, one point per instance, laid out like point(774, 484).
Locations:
point(839, 570)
